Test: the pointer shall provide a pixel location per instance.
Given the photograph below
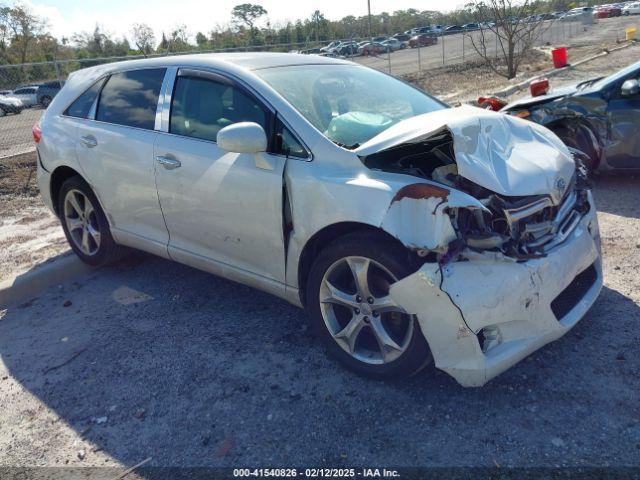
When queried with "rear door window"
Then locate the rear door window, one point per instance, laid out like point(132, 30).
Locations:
point(131, 98)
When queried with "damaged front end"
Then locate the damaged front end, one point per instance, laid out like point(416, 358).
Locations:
point(509, 240)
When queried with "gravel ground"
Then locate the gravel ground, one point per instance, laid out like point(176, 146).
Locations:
point(29, 232)
point(153, 359)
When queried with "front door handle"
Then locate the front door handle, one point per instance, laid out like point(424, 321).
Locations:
point(168, 162)
point(89, 141)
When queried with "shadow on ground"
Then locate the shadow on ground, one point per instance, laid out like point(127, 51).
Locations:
point(205, 372)
point(618, 194)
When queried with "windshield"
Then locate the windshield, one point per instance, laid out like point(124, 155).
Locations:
point(619, 75)
point(347, 103)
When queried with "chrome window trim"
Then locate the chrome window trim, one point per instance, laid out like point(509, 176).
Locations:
point(164, 100)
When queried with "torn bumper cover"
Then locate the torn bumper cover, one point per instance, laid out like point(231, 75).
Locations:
point(482, 315)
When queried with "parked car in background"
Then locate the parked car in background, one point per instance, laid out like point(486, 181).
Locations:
point(393, 44)
point(408, 233)
point(47, 91)
point(577, 13)
point(331, 46)
point(423, 40)
point(607, 11)
point(469, 27)
point(631, 9)
point(5, 92)
point(403, 38)
point(28, 95)
point(452, 29)
point(599, 117)
point(346, 49)
point(368, 48)
point(9, 104)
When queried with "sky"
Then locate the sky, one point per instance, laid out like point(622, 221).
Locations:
point(117, 16)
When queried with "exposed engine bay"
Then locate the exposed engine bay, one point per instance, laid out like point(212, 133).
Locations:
point(518, 227)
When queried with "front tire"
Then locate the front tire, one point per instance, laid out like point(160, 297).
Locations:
point(85, 224)
point(581, 138)
point(352, 313)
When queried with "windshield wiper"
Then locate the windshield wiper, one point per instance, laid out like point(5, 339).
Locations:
point(588, 83)
point(348, 147)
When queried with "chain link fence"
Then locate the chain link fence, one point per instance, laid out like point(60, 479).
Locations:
point(459, 48)
point(25, 80)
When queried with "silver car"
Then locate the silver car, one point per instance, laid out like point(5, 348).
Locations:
point(410, 231)
point(26, 95)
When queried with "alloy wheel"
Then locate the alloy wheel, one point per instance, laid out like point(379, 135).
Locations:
point(82, 222)
point(359, 313)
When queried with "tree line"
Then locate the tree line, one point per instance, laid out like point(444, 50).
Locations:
point(25, 37)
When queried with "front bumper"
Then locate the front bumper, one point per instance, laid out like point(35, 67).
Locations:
point(503, 305)
point(8, 108)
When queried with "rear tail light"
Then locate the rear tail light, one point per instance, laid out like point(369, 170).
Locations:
point(36, 132)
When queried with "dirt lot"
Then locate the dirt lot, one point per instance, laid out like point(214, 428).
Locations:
point(153, 359)
point(29, 232)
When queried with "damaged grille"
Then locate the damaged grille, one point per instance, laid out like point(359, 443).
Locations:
point(540, 226)
point(523, 227)
point(575, 292)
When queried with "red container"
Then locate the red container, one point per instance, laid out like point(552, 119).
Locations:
point(491, 103)
point(539, 86)
point(559, 56)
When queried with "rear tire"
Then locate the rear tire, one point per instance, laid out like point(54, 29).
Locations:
point(85, 224)
point(353, 315)
point(46, 101)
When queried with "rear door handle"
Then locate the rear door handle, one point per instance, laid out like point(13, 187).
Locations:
point(168, 162)
point(89, 141)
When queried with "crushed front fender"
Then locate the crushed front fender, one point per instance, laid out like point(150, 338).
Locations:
point(483, 315)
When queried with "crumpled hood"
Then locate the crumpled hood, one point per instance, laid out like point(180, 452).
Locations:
point(504, 154)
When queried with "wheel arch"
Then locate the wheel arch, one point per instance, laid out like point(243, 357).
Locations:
point(58, 177)
point(323, 237)
point(580, 126)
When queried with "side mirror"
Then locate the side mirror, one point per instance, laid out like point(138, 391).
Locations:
point(242, 137)
point(630, 88)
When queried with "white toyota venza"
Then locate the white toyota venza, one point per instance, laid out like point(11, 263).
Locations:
point(411, 231)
